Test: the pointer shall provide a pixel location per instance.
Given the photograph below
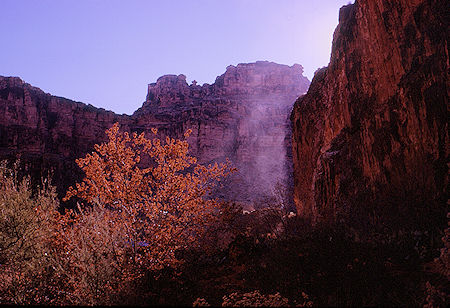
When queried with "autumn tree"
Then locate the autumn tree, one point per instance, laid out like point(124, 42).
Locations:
point(154, 191)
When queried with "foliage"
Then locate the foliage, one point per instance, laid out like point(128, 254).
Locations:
point(435, 297)
point(443, 261)
point(93, 256)
point(147, 200)
point(436, 293)
point(26, 231)
point(254, 299)
point(200, 302)
point(156, 193)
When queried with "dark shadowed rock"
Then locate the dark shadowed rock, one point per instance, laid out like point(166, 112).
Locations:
point(370, 138)
point(48, 132)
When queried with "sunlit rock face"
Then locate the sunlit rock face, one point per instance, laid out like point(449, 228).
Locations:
point(243, 116)
point(370, 138)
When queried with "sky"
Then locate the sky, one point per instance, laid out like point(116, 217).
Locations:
point(106, 52)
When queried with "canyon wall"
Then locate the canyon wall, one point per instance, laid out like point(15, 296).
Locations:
point(370, 138)
point(48, 133)
point(243, 116)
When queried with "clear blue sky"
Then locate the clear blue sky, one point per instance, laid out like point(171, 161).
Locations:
point(105, 52)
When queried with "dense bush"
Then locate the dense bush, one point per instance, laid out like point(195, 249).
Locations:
point(253, 299)
point(27, 224)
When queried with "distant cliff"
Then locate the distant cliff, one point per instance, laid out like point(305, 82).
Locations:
point(243, 116)
point(48, 133)
point(370, 138)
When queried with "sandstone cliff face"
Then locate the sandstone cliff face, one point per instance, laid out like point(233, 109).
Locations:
point(49, 132)
point(243, 116)
point(371, 134)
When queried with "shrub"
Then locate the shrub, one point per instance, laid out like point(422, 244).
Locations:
point(200, 302)
point(254, 299)
point(437, 293)
point(93, 256)
point(26, 231)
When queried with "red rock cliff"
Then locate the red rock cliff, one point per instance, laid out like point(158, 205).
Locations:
point(244, 116)
point(371, 135)
point(49, 132)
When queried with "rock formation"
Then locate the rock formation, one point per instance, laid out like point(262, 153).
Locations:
point(48, 133)
point(243, 116)
point(371, 135)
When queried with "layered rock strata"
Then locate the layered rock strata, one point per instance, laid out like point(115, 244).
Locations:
point(48, 133)
point(243, 116)
point(370, 138)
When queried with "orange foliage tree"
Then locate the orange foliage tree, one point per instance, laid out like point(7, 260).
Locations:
point(155, 192)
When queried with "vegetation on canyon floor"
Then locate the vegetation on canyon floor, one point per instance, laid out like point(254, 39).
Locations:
point(146, 232)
